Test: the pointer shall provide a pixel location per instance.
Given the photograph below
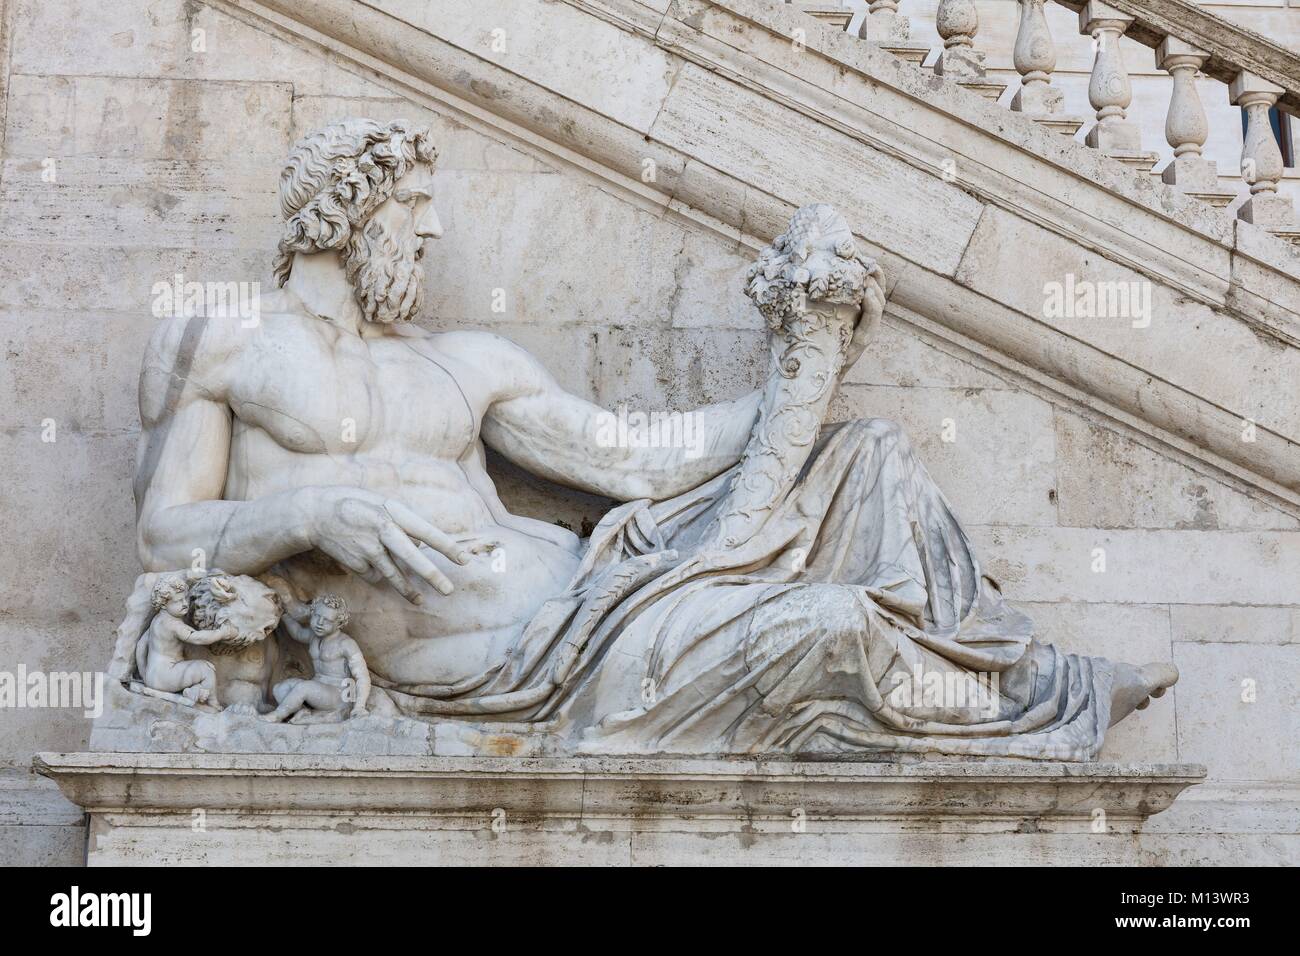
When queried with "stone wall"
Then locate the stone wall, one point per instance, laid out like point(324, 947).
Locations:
point(130, 157)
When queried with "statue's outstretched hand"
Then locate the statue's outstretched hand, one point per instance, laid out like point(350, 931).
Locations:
point(370, 534)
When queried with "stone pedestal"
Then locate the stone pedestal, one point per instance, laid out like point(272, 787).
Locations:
point(1198, 178)
point(1272, 212)
point(169, 809)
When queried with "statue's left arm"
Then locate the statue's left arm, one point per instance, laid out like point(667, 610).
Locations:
point(556, 435)
point(361, 674)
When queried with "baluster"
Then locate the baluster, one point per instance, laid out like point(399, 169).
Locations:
point(1186, 126)
point(1261, 159)
point(1109, 91)
point(958, 21)
point(1035, 59)
point(890, 30)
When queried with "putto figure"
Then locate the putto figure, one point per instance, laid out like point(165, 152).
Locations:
point(160, 654)
point(340, 688)
point(763, 590)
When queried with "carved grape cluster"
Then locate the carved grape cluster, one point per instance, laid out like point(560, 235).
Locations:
point(815, 259)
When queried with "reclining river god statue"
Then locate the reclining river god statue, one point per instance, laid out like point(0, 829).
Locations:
point(781, 585)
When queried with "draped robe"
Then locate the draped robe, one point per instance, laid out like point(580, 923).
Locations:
point(857, 619)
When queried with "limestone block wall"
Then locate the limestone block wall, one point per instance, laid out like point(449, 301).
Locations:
point(142, 140)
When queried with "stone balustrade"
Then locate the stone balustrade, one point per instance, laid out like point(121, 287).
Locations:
point(1187, 43)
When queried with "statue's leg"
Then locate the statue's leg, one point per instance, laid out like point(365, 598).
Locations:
point(291, 696)
point(200, 680)
point(903, 486)
point(717, 669)
point(281, 690)
point(307, 693)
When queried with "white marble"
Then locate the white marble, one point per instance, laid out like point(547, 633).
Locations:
point(622, 280)
point(767, 586)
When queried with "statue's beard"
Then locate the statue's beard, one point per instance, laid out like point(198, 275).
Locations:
point(385, 272)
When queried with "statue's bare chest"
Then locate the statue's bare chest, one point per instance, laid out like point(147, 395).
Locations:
point(390, 397)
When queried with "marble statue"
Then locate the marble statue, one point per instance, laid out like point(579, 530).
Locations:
point(781, 586)
point(160, 654)
point(245, 664)
point(341, 685)
point(205, 629)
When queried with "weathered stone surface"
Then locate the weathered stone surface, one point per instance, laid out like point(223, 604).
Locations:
point(652, 369)
point(1233, 624)
point(59, 641)
point(900, 357)
point(157, 38)
point(990, 450)
point(628, 811)
point(143, 129)
point(1157, 319)
point(151, 119)
point(1106, 480)
point(38, 826)
point(755, 143)
point(81, 481)
point(1142, 567)
point(1239, 709)
point(79, 346)
point(165, 203)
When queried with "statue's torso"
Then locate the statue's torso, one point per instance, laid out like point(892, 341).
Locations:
point(397, 417)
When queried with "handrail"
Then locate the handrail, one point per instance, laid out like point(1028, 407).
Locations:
point(1187, 41)
point(1232, 48)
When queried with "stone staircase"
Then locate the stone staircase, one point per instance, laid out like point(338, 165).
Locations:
point(1187, 41)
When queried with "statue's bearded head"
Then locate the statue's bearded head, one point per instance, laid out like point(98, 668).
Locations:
point(363, 189)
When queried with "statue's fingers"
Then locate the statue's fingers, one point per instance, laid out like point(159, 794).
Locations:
point(385, 566)
point(877, 293)
point(422, 530)
point(349, 561)
point(400, 547)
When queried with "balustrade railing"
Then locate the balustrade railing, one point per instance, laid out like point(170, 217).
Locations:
point(1187, 43)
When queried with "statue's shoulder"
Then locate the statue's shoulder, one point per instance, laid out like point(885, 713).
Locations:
point(493, 354)
point(200, 341)
point(206, 351)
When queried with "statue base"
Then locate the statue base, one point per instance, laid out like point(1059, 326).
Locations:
point(220, 809)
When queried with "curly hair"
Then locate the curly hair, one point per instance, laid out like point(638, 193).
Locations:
point(337, 176)
point(336, 603)
point(165, 588)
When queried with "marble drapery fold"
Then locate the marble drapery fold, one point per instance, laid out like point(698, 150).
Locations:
point(822, 633)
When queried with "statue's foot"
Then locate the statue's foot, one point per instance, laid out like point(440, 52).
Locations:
point(242, 710)
point(1135, 686)
point(195, 694)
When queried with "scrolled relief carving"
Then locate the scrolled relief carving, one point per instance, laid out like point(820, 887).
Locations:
point(809, 286)
point(780, 585)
